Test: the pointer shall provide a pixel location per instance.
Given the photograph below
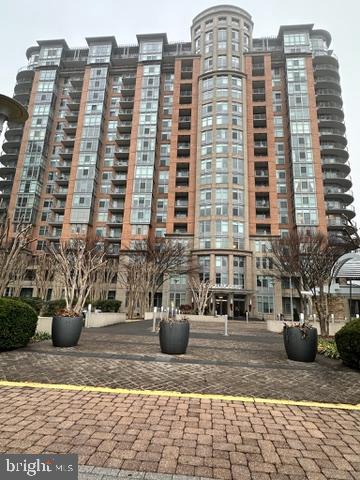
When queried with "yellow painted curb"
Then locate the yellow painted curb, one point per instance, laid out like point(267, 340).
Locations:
point(165, 393)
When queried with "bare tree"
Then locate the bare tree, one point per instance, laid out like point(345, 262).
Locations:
point(76, 260)
point(12, 244)
point(18, 273)
point(201, 292)
point(44, 273)
point(310, 259)
point(103, 279)
point(148, 266)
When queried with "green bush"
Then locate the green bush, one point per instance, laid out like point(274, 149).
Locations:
point(35, 302)
point(52, 307)
point(40, 336)
point(348, 343)
point(17, 323)
point(327, 347)
point(108, 305)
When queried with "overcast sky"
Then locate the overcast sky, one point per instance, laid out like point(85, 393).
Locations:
point(25, 21)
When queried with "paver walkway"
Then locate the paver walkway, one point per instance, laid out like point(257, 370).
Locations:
point(251, 362)
point(174, 437)
point(193, 437)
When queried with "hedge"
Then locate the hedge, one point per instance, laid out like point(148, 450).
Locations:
point(348, 343)
point(52, 307)
point(108, 305)
point(18, 323)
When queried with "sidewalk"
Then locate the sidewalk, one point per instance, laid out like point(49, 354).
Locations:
point(129, 411)
point(191, 437)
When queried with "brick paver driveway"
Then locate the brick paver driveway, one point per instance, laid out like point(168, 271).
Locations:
point(164, 437)
point(251, 362)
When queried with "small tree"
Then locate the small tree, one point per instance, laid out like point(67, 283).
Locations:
point(148, 266)
point(12, 245)
point(76, 260)
point(18, 273)
point(44, 273)
point(103, 279)
point(201, 292)
point(310, 259)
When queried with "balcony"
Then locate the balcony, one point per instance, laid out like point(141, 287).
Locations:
point(259, 120)
point(258, 95)
point(183, 148)
point(263, 204)
point(75, 94)
point(185, 96)
point(333, 192)
point(335, 163)
point(181, 213)
point(341, 209)
point(74, 105)
point(68, 141)
point(25, 74)
point(122, 153)
point(334, 149)
point(184, 122)
point(120, 165)
point(180, 203)
point(328, 95)
point(258, 70)
point(337, 178)
point(117, 192)
point(182, 178)
point(335, 122)
point(66, 153)
point(56, 219)
point(126, 102)
point(325, 68)
point(128, 79)
point(186, 72)
point(123, 139)
point(116, 206)
point(70, 129)
point(261, 177)
point(62, 179)
point(124, 127)
point(71, 117)
point(60, 192)
point(260, 147)
point(180, 228)
point(9, 159)
point(125, 114)
point(119, 179)
point(335, 135)
point(77, 82)
point(115, 220)
point(58, 206)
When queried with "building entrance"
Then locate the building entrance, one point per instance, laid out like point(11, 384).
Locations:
point(221, 304)
point(239, 308)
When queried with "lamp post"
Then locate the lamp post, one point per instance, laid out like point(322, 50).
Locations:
point(12, 111)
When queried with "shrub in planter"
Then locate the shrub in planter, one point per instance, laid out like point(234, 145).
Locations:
point(51, 307)
point(300, 342)
point(17, 323)
point(108, 305)
point(348, 343)
point(174, 335)
point(186, 309)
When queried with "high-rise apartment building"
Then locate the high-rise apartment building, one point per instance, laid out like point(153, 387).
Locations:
point(222, 142)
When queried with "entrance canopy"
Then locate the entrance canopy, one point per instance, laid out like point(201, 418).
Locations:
point(348, 266)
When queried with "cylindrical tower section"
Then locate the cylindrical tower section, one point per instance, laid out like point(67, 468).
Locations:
point(333, 143)
point(221, 35)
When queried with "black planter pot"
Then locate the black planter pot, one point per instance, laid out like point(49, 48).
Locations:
point(174, 337)
point(66, 331)
point(300, 347)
